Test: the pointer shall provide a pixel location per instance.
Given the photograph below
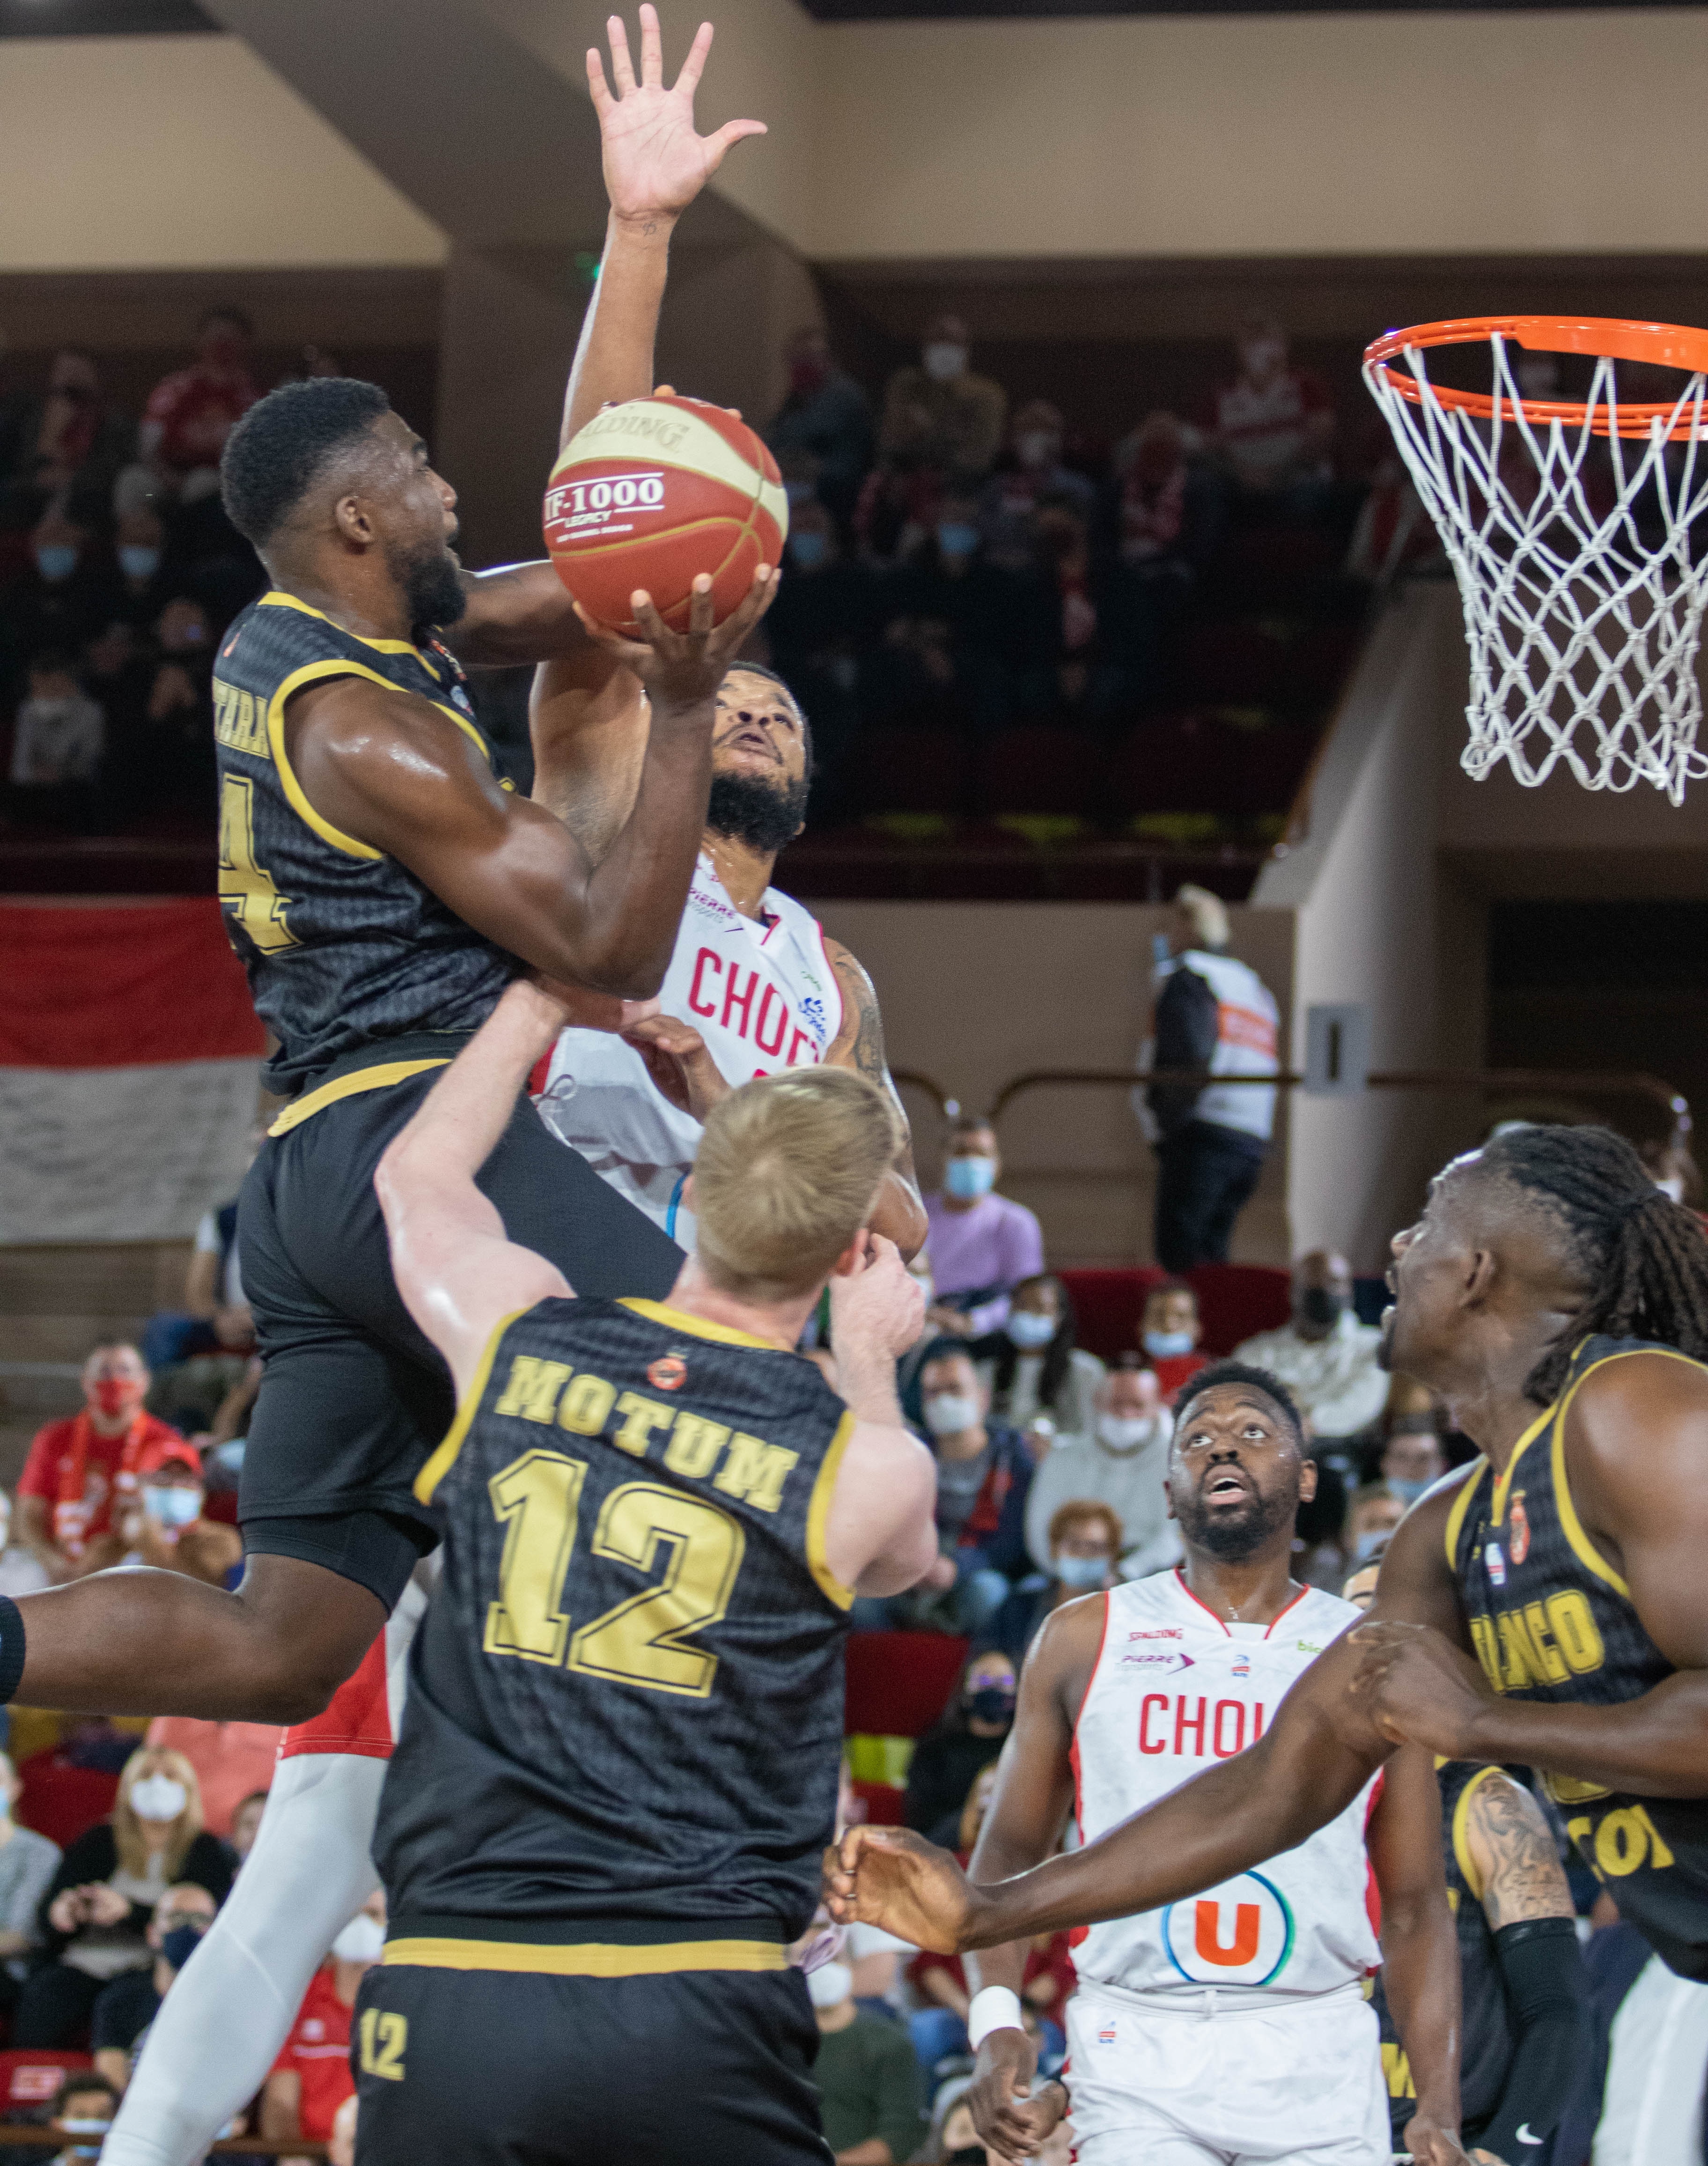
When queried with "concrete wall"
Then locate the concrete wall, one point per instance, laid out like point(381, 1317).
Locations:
point(974, 994)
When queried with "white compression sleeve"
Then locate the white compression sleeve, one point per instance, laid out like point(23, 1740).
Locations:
point(220, 2029)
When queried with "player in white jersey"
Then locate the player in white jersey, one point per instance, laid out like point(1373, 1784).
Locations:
point(753, 984)
point(1234, 2026)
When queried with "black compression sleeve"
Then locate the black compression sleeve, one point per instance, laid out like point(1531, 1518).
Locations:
point(11, 1647)
point(1548, 1993)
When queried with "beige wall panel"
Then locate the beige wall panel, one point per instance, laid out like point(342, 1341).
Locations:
point(173, 153)
point(1257, 134)
point(974, 994)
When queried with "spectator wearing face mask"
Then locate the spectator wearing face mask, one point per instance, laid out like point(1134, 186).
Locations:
point(982, 1245)
point(190, 415)
point(28, 1863)
point(66, 593)
point(941, 416)
point(95, 1917)
point(1034, 1372)
point(1371, 1516)
point(1085, 1542)
point(65, 441)
point(1169, 1332)
point(234, 1763)
point(1121, 1460)
point(1273, 425)
point(1032, 479)
point(82, 2111)
point(311, 2078)
point(59, 734)
point(1413, 1461)
point(1212, 1012)
point(126, 2008)
point(968, 1736)
point(867, 2078)
point(824, 425)
point(165, 1528)
point(984, 1472)
point(81, 1470)
point(1325, 1357)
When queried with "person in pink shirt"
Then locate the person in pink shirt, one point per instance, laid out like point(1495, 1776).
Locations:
point(980, 1244)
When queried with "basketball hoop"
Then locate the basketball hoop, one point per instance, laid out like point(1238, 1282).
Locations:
point(1568, 523)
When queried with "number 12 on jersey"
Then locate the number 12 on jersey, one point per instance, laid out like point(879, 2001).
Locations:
point(643, 1640)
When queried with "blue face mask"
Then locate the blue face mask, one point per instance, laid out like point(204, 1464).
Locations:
point(1081, 1572)
point(955, 538)
point(1161, 1345)
point(1366, 1544)
point(137, 560)
point(1407, 1491)
point(810, 549)
point(56, 560)
point(967, 1179)
point(1029, 1331)
point(180, 1944)
point(173, 1505)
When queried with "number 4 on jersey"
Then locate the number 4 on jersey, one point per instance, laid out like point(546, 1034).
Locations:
point(247, 890)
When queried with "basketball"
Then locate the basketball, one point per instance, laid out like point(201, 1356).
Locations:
point(651, 493)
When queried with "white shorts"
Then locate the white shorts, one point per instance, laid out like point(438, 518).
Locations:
point(1155, 2087)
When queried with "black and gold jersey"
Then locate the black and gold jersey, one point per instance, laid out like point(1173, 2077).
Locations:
point(1551, 1619)
point(342, 944)
point(624, 1724)
point(1486, 2030)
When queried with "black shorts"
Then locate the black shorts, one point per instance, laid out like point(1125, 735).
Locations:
point(459, 2068)
point(353, 1397)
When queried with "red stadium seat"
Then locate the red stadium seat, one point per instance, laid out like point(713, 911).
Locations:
point(1109, 1304)
point(1236, 1301)
point(1039, 770)
point(61, 1801)
point(883, 1803)
point(29, 2076)
point(899, 1681)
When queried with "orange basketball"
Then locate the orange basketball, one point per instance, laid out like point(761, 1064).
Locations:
point(651, 493)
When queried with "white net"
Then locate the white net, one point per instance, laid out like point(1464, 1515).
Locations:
point(1572, 546)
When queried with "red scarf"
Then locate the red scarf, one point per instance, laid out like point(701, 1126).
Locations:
point(70, 1510)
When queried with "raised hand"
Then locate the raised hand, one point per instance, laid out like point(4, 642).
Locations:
point(892, 1878)
point(878, 1302)
point(654, 162)
point(682, 669)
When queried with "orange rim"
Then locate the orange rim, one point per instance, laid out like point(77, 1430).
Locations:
point(1610, 338)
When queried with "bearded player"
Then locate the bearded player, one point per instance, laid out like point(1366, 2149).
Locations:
point(754, 983)
point(1545, 1606)
point(1233, 2028)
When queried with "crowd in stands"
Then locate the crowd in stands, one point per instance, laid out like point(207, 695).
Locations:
point(959, 573)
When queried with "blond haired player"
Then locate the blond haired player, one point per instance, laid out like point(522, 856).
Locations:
point(620, 1755)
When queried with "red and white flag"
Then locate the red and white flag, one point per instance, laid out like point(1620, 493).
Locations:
point(129, 1061)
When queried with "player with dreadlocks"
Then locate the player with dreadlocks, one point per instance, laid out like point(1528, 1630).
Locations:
point(1547, 1605)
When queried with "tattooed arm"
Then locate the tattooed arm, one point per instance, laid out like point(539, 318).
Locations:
point(1513, 1863)
point(859, 1044)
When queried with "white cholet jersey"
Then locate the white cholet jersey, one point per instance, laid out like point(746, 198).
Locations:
point(1175, 1690)
point(762, 994)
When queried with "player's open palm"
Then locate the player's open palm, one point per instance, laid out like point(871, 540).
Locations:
point(892, 1878)
point(654, 162)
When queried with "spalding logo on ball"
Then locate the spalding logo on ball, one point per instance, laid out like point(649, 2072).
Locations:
point(653, 492)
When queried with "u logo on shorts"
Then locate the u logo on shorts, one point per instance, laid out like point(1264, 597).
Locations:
point(1238, 1934)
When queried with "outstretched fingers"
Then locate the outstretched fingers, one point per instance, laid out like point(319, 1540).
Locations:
point(732, 132)
point(688, 81)
point(622, 72)
point(652, 48)
point(597, 87)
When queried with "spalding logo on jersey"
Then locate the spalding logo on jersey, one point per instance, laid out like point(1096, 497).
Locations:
point(1238, 1934)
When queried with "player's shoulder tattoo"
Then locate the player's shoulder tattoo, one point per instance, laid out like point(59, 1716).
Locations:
point(1524, 1878)
point(861, 1037)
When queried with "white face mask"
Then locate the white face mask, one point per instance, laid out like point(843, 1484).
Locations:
point(1122, 1432)
point(830, 1984)
point(945, 360)
point(363, 1941)
point(1029, 1330)
point(158, 1797)
point(947, 1413)
point(171, 1504)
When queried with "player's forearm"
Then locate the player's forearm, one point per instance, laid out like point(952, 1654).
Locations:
point(468, 1108)
point(1657, 1746)
point(1221, 1823)
point(865, 1378)
point(1420, 1974)
point(997, 1860)
point(614, 354)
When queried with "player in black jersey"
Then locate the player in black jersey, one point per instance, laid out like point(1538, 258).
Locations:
point(618, 1758)
point(1524, 1991)
point(382, 885)
point(1546, 1605)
